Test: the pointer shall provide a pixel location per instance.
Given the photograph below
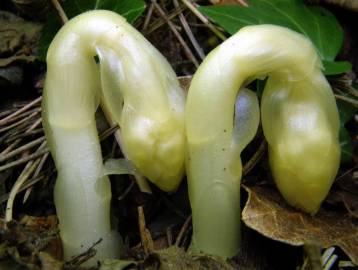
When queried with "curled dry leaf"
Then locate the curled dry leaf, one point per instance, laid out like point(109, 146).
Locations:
point(267, 213)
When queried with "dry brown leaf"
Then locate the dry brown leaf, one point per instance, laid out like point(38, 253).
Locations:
point(348, 4)
point(267, 213)
point(49, 263)
point(185, 83)
point(18, 38)
point(145, 236)
point(175, 258)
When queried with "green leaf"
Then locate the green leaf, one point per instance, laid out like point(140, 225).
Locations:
point(316, 23)
point(346, 145)
point(333, 68)
point(49, 31)
point(129, 9)
point(346, 112)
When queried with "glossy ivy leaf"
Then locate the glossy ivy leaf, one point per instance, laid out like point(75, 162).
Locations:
point(337, 67)
point(346, 145)
point(316, 23)
point(130, 9)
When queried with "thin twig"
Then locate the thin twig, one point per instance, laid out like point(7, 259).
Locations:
point(23, 135)
point(182, 231)
point(6, 112)
point(10, 147)
point(23, 160)
point(28, 170)
point(202, 18)
point(24, 120)
point(145, 236)
point(161, 21)
point(36, 173)
point(186, 48)
point(125, 193)
point(26, 185)
point(20, 129)
point(35, 125)
point(148, 17)
point(26, 107)
point(255, 158)
point(21, 115)
point(347, 99)
point(346, 173)
point(22, 149)
point(76, 261)
point(15, 143)
point(189, 33)
point(60, 11)
point(108, 132)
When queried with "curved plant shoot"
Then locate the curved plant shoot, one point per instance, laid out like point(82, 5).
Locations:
point(300, 122)
point(143, 95)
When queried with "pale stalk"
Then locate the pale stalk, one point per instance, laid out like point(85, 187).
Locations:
point(144, 98)
point(300, 122)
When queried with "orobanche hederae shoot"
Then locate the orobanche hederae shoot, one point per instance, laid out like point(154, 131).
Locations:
point(178, 135)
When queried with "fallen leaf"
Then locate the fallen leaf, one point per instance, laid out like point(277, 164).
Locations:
point(174, 258)
point(17, 38)
point(49, 263)
point(267, 213)
point(18, 57)
point(31, 235)
point(35, 9)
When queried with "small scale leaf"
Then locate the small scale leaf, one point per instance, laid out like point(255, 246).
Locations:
point(118, 166)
